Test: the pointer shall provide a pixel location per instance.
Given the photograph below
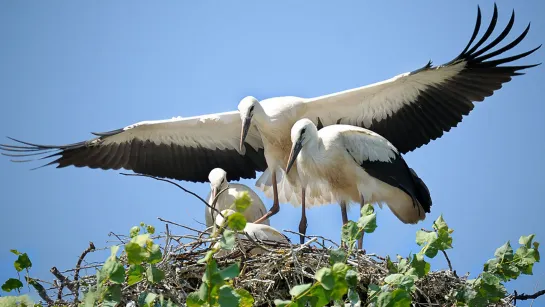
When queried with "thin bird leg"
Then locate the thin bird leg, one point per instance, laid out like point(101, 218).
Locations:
point(344, 214)
point(303, 222)
point(360, 240)
point(276, 206)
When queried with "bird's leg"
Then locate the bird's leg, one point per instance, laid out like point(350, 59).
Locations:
point(276, 206)
point(360, 240)
point(303, 222)
point(344, 214)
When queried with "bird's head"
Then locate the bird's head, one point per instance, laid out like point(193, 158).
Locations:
point(218, 181)
point(246, 108)
point(302, 132)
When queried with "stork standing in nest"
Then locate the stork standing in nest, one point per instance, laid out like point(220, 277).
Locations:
point(357, 165)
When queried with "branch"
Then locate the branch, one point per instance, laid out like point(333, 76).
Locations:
point(179, 186)
point(40, 289)
point(78, 266)
point(449, 264)
point(524, 297)
point(64, 281)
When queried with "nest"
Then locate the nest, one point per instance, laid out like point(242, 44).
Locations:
point(267, 276)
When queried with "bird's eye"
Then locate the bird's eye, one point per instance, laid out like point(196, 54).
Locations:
point(303, 130)
point(251, 109)
point(223, 180)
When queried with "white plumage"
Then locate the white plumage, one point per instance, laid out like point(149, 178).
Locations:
point(257, 232)
point(225, 200)
point(409, 110)
point(358, 165)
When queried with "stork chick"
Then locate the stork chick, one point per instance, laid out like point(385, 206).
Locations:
point(218, 183)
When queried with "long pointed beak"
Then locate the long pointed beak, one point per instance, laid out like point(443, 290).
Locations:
point(214, 193)
point(296, 148)
point(244, 131)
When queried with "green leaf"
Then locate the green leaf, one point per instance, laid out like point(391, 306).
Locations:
point(505, 251)
point(145, 299)
point(141, 240)
point(337, 255)
point(339, 271)
point(401, 298)
point(112, 296)
point(353, 297)
point(135, 230)
point(16, 252)
point(150, 229)
point(231, 271)
point(423, 237)
point(207, 257)
point(154, 274)
point(351, 278)
point(368, 223)
point(113, 270)
point(419, 266)
point(325, 277)
point(440, 224)
point(281, 303)
point(243, 201)
point(135, 274)
point(228, 297)
point(236, 221)
point(367, 209)
point(299, 289)
point(193, 300)
point(203, 292)
point(89, 298)
point(135, 253)
point(155, 254)
point(227, 240)
point(318, 296)
point(526, 240)
point(401, 281)
point(12, 284)
point(246, 299)
point(350, 232)
point(22, 262)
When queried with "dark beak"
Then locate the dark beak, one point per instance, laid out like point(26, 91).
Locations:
point(293, 154)
point(244, 132)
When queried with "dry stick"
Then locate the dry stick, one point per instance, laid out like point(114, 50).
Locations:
point(524, 297)
point(41, 290)
point(310, 237)
point(179, 225)
point(449, 264)
point(179, 186)
point(64, 281)
point(78, 267)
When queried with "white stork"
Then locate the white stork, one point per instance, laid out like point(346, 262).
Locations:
point(358, 165)
point(410, 110)
point(218, 183)
point(258, 232)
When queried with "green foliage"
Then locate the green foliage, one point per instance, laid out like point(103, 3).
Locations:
point(335, 284)
point(216, 288)
point(12, 284)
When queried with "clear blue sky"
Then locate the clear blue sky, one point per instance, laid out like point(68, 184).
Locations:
point(68, 68)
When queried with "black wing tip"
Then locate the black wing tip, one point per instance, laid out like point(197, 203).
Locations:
point(108, 133)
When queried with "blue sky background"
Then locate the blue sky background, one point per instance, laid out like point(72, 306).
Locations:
point(68, 68)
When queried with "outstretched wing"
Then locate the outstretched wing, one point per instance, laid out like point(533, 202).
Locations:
point(414, 108)
point(178, 148)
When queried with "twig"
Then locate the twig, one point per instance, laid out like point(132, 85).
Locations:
point(524, 297)
point(179, 186)
point(179, 225)
point(449, 264)
point(64, 281)
point(40, 289)
point(310, 237)
point(78, 267)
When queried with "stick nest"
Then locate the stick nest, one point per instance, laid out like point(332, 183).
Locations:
point(267, 276)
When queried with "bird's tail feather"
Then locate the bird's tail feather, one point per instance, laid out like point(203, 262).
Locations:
point(422, 192)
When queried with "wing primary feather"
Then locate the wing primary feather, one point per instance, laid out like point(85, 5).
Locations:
point(498, 39)
point(488, 32)
point(510, 59)
point(505, 48)
point(473, 36)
